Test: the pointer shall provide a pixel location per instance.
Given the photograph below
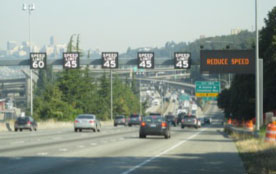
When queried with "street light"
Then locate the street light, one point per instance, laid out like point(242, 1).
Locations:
point(257, 70)
point(29, 9)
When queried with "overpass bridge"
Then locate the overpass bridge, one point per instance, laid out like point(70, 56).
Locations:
point(161, 64)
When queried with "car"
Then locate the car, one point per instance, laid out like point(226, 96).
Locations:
point(201, 121)
point(179, 117)
point(154, 125)
point(207, 120)
point(87, 121)
point(134, 119)
point(26, 122)
point(120, 120)
point(171, 119)
point(189, 121)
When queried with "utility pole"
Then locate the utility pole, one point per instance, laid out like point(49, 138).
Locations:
point(30, 8)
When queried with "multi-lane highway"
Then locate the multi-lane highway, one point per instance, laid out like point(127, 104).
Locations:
point(119, 150)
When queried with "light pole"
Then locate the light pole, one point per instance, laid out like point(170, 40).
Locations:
point(140, 98)
point(111, 96)
point(257, 69)
point(29, 9)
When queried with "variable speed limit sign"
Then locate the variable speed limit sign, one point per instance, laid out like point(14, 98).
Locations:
point(110, 60)
point(71, 60)
point(145, 60)
point(182, 60)
point(38, 60)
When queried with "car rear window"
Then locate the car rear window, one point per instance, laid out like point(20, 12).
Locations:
point(22, 118)
point(153, 119)
point(155, 114)
point(169, 117)
point(119, 117)
point(134, 116)
point(187, 117)
point(86, 117)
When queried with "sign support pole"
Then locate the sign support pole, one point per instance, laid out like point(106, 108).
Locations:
point(257, 98)
point(111, 96)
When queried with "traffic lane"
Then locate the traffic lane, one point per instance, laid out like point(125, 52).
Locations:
point(110, 157)
point(209, 152)
point(12, 145)
point(12, 138)
point(41, 132)
point(22, 147)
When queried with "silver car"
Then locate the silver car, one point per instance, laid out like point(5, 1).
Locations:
point(87, 121)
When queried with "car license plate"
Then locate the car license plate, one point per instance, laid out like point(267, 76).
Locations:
point(153, 125)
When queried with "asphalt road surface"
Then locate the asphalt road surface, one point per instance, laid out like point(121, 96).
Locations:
point(120, 151)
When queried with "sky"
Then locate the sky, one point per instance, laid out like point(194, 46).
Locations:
point(115, 25)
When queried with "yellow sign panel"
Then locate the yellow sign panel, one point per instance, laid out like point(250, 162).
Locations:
point(206, 94)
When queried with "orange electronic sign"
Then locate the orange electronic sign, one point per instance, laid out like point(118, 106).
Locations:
point(227, 61)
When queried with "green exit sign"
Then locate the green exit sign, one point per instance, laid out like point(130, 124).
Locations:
point(207, 87)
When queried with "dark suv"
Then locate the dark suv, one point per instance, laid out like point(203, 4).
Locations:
point(26, 122)
point(134, 119)
point(120, 120)
point(154, 125)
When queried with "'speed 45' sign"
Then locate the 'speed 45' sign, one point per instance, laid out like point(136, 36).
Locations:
point(182, 60)
point(71, 60)
point(145, 60)
point(110, 60)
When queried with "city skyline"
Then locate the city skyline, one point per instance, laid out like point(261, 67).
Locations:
point(110, 26)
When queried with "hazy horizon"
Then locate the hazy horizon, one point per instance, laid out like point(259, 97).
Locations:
point(111, 26)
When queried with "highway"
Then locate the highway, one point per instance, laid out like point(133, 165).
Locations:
point(119, 150)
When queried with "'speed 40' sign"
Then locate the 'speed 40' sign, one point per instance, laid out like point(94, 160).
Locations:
point(38, 60)
point(182, 60)
point(110, 60)
point(71, 60)
point(145, 60)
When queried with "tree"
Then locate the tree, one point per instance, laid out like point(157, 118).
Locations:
point(268, 53)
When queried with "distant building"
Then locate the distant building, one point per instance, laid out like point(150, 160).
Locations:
point(52, 40)
point(235, 31)
point(202, 36)
point(11, 45)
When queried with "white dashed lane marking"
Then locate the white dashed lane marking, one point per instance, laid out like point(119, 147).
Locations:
point(42, 153)
point(63, 149)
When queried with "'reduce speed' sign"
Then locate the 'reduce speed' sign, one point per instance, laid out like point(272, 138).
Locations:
point(38, 60)
point(145, 60)
point(110, 60)
point(182, 60)
point(227, 61)
point(71, 60)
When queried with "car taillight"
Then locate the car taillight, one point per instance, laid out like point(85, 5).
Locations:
point(76, 121)
point(91, 121)
point(143, 124)
point(28, 122)
point(164, 124)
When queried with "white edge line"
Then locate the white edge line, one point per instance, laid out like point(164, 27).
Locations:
point(162, 153)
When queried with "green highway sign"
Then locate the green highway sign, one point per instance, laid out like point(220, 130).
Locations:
point(207, 87)
point(184, 97)
point(209, 98)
